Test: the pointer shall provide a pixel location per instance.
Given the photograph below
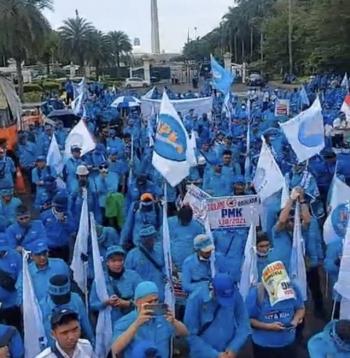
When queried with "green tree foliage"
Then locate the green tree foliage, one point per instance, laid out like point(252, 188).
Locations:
point(257, 30)
point(119, 44)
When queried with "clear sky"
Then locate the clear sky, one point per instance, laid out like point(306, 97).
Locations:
point(133, 17)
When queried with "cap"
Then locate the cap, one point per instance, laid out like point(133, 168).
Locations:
point(147, 197)
point(201, 160)
point(145, 349)
point(41, 158)
point(6, 192)
point(113, 151)
point(144, 289)
point(59, 285)
point(38, 247)
point(3, 242)
point(224, 289)
point(22, 210)
point(60, 202)
point(203, 243)
point(60, 313)
point(114, 250)
point(238, 179)
point(75, 148)
point(82, 170)
point(148, 230)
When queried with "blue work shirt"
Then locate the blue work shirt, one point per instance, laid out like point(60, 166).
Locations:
point(228, 330)
point(282, 312)
point(217, 184)
point(8, 212)
point(181, 239)
point(106, 185)
point(124, 288)
point(7, 172)
point(41, 277)
point(27, 154)
point(25, 235)
point(69, 173)
point(11, 263)
point(75, 304)
point(323, 345)
point(57, 232)
point(15, 345)
point(157, 330)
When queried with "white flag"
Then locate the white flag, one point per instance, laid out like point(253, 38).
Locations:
point(191, 150)
point(285, 192)
point(54, 158)
point(169, 289)
point(249, 268)
point(297, 261)
point(171, 145)
point(247, 158)
point(104, 322)
point(77, 105)
point(78, 265)
point(335, 225)
point(268, 176)
point(342, 286)
point(345, 82)
point(305, 132)
point(81, 136)
point(34, 331)
point(346, 107)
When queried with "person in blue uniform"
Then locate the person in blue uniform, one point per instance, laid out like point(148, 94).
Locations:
point(217, 321)
point(121, 284)
point(333, 341)
point(60, 296)
point(25, 231)
point(142, 324)
point(70, 167)
point(60, 227)
point(10, 268)
point(8, 207)
point(11, 343)
point(7, 168)
point(216, 182)
point(147, 259)
point(41, 269)
point(274, 326)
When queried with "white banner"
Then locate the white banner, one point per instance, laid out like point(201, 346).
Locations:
point(282, 107)
point(234, 211)
point(197, 199)
point(199, 105)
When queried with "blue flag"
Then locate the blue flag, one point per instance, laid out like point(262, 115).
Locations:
point(222, 79)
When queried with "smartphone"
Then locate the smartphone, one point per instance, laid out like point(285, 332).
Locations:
point(158, 309)
point(288, 326)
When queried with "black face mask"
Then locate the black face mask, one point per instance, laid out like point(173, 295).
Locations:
point(146, 208)
point(116, 275)
point(83, 182)
point(61, 299)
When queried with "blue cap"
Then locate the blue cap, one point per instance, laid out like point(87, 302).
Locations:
point(59, 285)
point(113, 151)
point(114, 250)
point(75, 148)
point(203, 243)
point(38, 247)
point(143, 349)
point(3, 242)
point(147, 231)
point(60, 201)
point(41, 158)
point(238, 179)
point(144, 289)
point(224, 289)
point(6, 192)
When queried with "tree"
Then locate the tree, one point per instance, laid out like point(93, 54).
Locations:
point(120, 44)
point(23, 29)
point(50, 49)
point(74, 38)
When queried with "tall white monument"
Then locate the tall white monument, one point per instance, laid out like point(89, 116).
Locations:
point(155, 28)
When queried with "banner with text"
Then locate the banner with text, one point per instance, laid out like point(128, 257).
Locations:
point(234, 211)
point(282, 107)
point(196, 198)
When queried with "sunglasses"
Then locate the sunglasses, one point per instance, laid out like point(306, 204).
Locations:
point(23, 218)
point(103, 166)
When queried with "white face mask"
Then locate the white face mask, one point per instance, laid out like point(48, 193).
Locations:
point(260, 254)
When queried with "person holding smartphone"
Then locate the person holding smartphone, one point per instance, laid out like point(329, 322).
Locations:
point(148, 321)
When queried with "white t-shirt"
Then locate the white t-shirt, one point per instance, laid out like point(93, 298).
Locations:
point(82, 350)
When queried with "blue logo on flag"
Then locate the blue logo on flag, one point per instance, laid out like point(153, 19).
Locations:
point(339, 219)
point(309, 134)
point(171, 140)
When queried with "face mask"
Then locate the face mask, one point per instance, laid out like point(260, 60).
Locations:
point(61, 299)
point(83, 181)
point(146, 208)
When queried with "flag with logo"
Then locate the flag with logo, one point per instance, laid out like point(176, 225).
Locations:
point(222, 79)
point(34, 332)
point(104, 331)
point(171, 145)
point(80, 136)
point(249, 270)
point(305, 132)
point(335, 225)
point(346, 107)
point(268, 177)
point(79, 261)
point(297, 262)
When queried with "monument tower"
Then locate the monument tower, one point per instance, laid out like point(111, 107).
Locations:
point(155, 28)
